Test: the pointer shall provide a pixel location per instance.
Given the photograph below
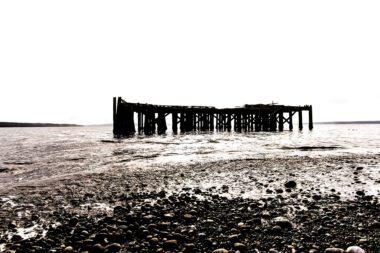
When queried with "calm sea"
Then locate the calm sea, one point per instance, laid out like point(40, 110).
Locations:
point(37, 153)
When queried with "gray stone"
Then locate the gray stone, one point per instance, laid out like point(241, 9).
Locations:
point(220, 251)
point(291, 184)
point(283, 222)
point(113, 248)
point(354, 249)
point(334, 250)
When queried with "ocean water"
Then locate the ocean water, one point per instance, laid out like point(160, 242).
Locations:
point(28, 154)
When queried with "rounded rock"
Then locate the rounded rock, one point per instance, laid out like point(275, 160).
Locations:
point(220, 251)
point(170, 244)
point(334, 250)
point(97, 248)
point(240, 246)
point(233, 238)
point(113, 248)
point(283, 222)
point(354, 249)
point(291, 184)
point(68, 249)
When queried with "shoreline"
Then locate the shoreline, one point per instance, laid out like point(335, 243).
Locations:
point(174, 208)
point(22, 124)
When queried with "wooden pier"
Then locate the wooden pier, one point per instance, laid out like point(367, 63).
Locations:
point(151, 119)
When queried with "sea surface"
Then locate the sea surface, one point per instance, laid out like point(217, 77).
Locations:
point(28, 154)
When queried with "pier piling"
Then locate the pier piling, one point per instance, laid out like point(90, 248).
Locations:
point(310, 117)
point(300, 123)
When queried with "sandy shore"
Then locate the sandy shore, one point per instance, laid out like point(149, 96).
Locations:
point(298, 204)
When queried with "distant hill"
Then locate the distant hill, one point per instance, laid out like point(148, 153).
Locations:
point(19, 124)
point(350, 122)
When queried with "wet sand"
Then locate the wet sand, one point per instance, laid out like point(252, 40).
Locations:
point(297, 204)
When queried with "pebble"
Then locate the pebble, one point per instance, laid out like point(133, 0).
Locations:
point(220, 251)
point(187, 216)
point(283, 222)
point(16, 238)
point(97, 248)
point(170, 244)
point(375, 224)
point(334, 250)
point(68, 249)
point(233, 238)
point(240, 246)
point(291, 184)
point(113, 248)
point(276, 229)
point(354, 249)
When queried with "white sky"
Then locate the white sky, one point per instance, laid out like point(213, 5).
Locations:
point(63, 61)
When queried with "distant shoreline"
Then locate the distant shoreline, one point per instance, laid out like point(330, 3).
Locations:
point(19, 124)
point(349, 122)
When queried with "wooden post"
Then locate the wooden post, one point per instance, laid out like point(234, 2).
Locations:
point(115, 130)
point(229, 122)
point(281, 121)
point(174, 122)
point(182, 122)
point(130, 120)
point(311, 118)
point(257, 122)
point(290, 120)
point(250, 118)
point(194, 121)
point(265, 121)
point(244, 122)
point(300, 123)
point(161, 123)
point(188, 121)
point(149, 124)
point(204, 122)
point(123, 119)
point(212, 122)
point(238, 122)
point(273, 121)
point(140, 122)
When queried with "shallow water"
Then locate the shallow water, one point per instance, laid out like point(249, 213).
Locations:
point(28, 154)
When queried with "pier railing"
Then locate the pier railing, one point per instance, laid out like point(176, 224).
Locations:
point(248, 118)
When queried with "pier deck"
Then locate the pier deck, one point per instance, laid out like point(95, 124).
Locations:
point(248, 118)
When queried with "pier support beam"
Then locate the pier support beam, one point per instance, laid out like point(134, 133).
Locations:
point(149, 123)
point(115, 123)
point(211, 122)
point(140, 122)
point(281, 121)
point(273, 122)
point(265, 121)
point(182, 122)
point(238, 122)
point(174, 122)
point(161, 123)
point(291, 121)
point(257, 122)
point(229, 119)
point(300, 123)
point(311, 117)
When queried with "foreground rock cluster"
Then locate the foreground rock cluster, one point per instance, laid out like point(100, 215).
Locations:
point(155, 222)
point(130, 212)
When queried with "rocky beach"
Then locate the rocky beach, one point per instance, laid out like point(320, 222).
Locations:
point(293, 204)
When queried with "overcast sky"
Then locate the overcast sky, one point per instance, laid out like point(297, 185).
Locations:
point(63, 61)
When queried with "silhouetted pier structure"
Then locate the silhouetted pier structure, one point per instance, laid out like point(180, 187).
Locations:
point(151, 119)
